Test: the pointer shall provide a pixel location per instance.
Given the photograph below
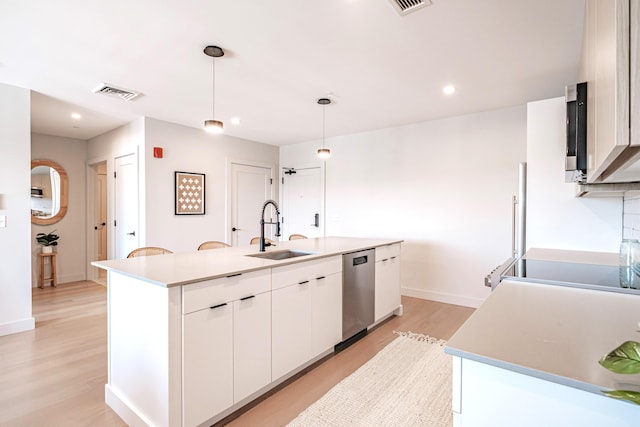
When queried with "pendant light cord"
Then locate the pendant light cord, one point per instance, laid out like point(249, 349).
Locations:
point(213, 81)
point(324, 125)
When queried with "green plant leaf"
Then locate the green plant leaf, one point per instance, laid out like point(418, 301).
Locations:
point(631, 396)
point(623, 360)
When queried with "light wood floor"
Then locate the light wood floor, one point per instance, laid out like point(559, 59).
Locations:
point(55, 374)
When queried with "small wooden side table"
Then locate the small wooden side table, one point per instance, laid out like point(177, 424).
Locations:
point(52, 260)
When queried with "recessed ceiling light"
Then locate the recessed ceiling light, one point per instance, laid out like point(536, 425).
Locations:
point(449, 89)
point(235, 120)
point(76, 116)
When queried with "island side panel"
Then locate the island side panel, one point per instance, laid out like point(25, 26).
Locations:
point(144, 382)
point(491, 396)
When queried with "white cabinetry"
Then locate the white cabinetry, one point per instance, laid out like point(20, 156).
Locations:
point(485, 395)
point(306, 312)
point(326, 312)
point(185, 353)
point(251, 344)
point(387, 285)
point(610, 66)
point(207, 363)
point(291, 328)
point(226, 343)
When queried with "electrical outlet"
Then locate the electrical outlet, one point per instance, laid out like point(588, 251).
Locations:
point(3, 221)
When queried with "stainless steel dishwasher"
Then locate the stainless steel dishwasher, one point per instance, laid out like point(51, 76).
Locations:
point(358, 291)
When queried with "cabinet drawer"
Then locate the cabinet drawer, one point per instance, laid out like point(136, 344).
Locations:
point(307, 270)
point(385, 252)
point(226, 289)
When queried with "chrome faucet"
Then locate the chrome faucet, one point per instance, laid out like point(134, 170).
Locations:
point(262, 222)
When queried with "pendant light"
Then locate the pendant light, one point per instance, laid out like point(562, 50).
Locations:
point(213, 125)
point(323, 153)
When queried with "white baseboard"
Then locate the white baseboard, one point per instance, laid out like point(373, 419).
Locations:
point(442, 297)
point(17, 326)
point(124, 411)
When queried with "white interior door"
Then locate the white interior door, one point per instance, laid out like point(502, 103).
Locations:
point(126, 205)
point(251, 186)
point(302, 191)
point(97, 211)
point(100, 222)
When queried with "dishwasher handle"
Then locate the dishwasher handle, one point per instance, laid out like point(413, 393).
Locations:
point(360, 260)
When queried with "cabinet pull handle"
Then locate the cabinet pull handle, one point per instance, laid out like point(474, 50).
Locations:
point(320, 278)
point(234, 275)
point(386, 259)
point(302, 283)
point(393, 257)
point(246, 298)
point(218, 305)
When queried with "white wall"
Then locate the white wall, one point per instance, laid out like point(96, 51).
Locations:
point(184, 149)
point(15, 182)
point(444, 186)
point(118, 142)
point(72, 229)
point(631, 217)
point(555, 217)
point(125, 140)
point(188, 149)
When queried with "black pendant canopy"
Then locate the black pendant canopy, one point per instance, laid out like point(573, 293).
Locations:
point(214, 51)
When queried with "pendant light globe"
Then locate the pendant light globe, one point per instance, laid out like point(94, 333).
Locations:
point(213, 126)
point(324, 153)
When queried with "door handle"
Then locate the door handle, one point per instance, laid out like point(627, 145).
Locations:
point(236, 229)
point(316, 220)
point(133, 233)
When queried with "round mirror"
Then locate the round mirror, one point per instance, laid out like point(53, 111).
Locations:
point(48, 192)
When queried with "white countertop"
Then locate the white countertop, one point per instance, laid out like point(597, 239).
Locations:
point(189, 267)
point(555, 333)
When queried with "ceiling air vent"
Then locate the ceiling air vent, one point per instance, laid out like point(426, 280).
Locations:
point(404, 7)
point(116, 92)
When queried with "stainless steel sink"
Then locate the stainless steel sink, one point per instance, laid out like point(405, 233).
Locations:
point(280, 255)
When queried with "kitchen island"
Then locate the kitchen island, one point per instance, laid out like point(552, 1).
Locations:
point(529, 355)
point(195, 336)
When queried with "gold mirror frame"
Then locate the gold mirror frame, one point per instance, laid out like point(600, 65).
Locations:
point(64, 190)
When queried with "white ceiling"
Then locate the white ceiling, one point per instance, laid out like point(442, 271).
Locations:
point(380, 69)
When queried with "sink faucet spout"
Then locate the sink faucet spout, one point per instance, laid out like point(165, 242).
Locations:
point(262, 222)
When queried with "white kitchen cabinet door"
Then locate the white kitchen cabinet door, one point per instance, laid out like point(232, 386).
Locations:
point(251, 344)
point(207, 363)
point(291, 319)
point(326, 313)
point(387, 284)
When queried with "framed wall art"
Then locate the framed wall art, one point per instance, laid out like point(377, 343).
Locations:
point(189, 193)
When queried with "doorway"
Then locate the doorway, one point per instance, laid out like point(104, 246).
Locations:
point(97, 211)
point(125, 221)
point(303, 201)
point(250, 186)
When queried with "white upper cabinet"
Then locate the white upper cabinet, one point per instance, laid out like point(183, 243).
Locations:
point(610, 66)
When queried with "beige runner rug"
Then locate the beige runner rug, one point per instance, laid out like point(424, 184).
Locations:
point(408, 383)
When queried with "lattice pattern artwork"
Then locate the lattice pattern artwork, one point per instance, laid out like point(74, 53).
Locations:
point(189, 193)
